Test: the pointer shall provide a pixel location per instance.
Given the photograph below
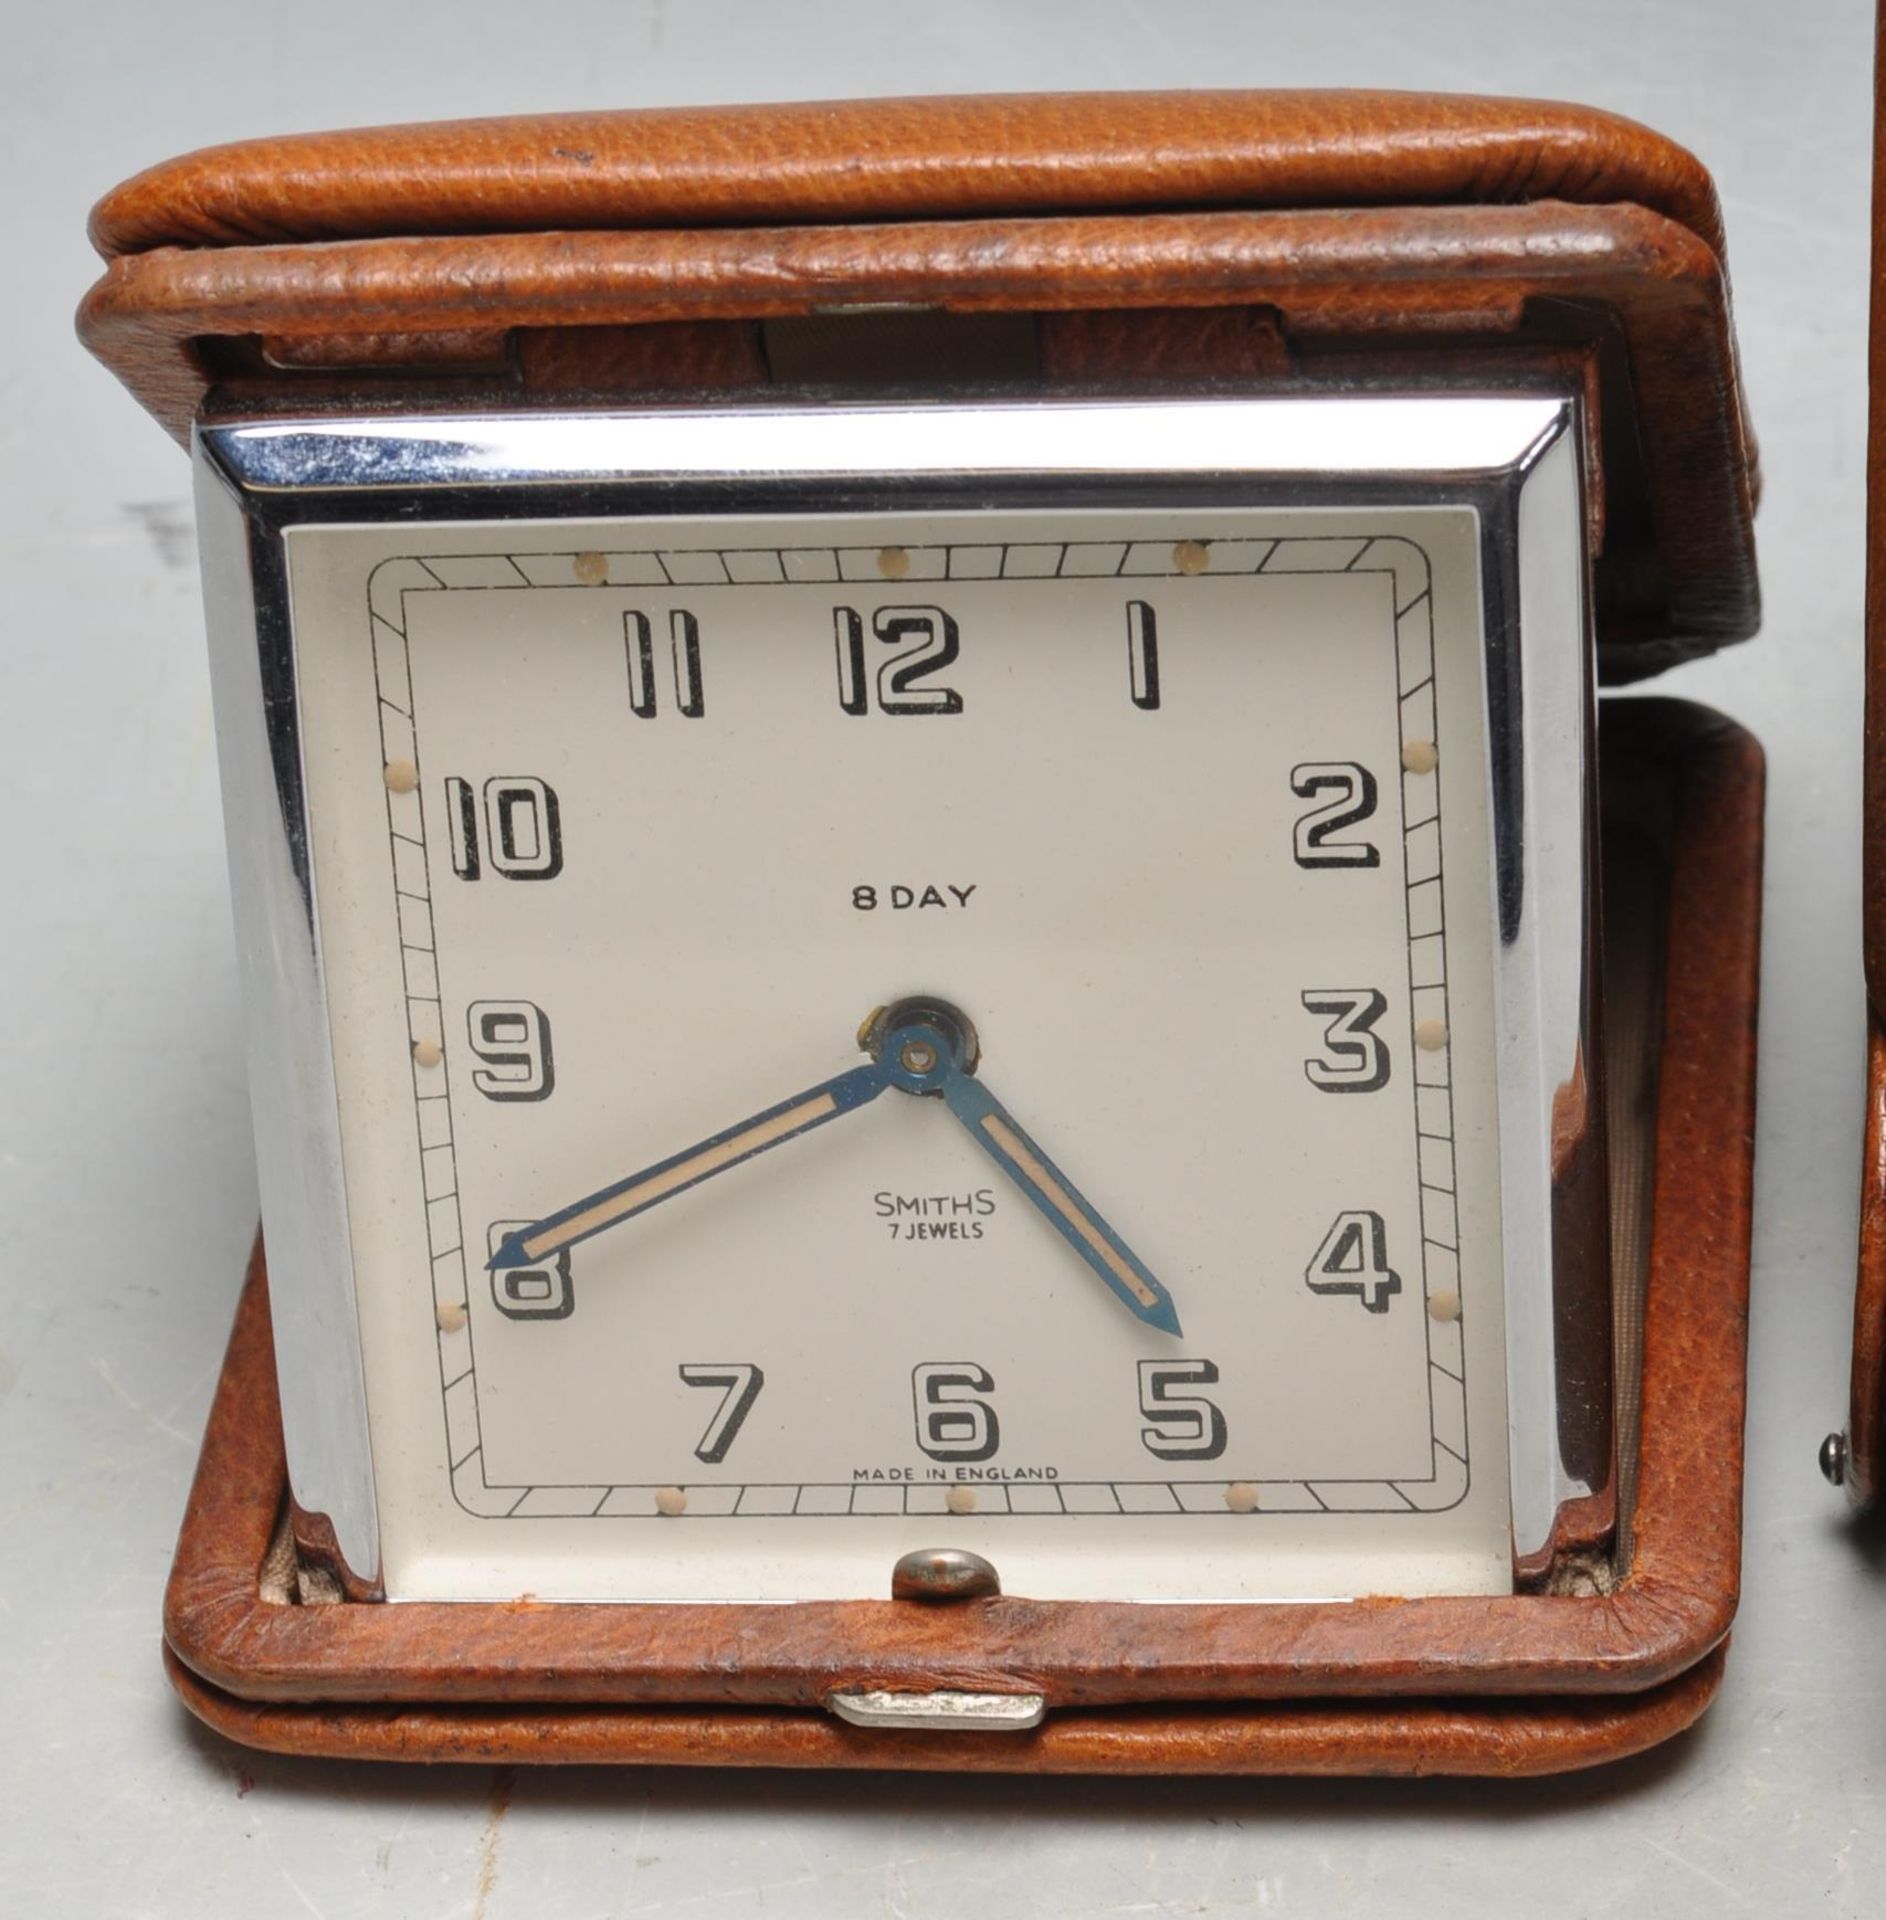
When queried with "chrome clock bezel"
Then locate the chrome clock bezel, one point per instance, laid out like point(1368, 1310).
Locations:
point(1513, 459)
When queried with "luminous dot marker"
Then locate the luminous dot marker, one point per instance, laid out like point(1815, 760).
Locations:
point(591, 569)
point(1191, 556)
point(893, 562)
point(427, 1053)
point(1420, 756)
point(671, 1500)
point(450, 1315)
point(1444, 1304)
point(1241, 1497)
point(1430, 1035)
point(401, 776)
point(960, 1499)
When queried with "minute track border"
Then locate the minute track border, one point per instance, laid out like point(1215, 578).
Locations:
point(1406, 566)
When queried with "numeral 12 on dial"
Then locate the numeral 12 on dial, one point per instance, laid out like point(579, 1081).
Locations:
point(927, 641)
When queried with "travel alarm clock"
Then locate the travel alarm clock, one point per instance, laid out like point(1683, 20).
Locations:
point(967, 1048)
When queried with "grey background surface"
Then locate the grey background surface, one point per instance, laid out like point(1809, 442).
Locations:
point(126, 1183)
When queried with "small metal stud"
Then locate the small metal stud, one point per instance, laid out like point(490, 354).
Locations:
point(943, 1573)
point(1834, 1459)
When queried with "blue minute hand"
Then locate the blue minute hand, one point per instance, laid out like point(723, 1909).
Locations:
point(597, 1212)
point(1069, 1211)
point(928, 1047)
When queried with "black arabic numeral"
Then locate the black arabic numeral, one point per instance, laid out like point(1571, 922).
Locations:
point(903, 681)
point(952, 1424)
point(520, 830)
point(1358, 1056)
point(739, 1382)
point(512, 1038)
point(1142, 654)
point(1353, 792)
point(1353, 1258)
point(542, 1292)
point(1180, 1426)
point(684, 654)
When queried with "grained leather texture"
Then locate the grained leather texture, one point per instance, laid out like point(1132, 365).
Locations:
point(919, 159)
point(1500, 1739)
point(1461, 295)
point(1338, 237)
point(1496, 1685)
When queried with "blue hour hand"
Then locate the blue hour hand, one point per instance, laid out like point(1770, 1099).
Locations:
point(599, 1211)
point(928, 1047)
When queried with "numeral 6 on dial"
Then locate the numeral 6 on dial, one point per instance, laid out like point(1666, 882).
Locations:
point(951, 1423)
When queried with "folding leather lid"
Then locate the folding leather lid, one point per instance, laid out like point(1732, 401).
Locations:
point(918, 159)
point(1381, 236)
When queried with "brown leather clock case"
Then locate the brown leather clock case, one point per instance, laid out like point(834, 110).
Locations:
point(1255, 242)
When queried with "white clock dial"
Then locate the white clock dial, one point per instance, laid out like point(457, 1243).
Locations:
point(1185, 1282)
